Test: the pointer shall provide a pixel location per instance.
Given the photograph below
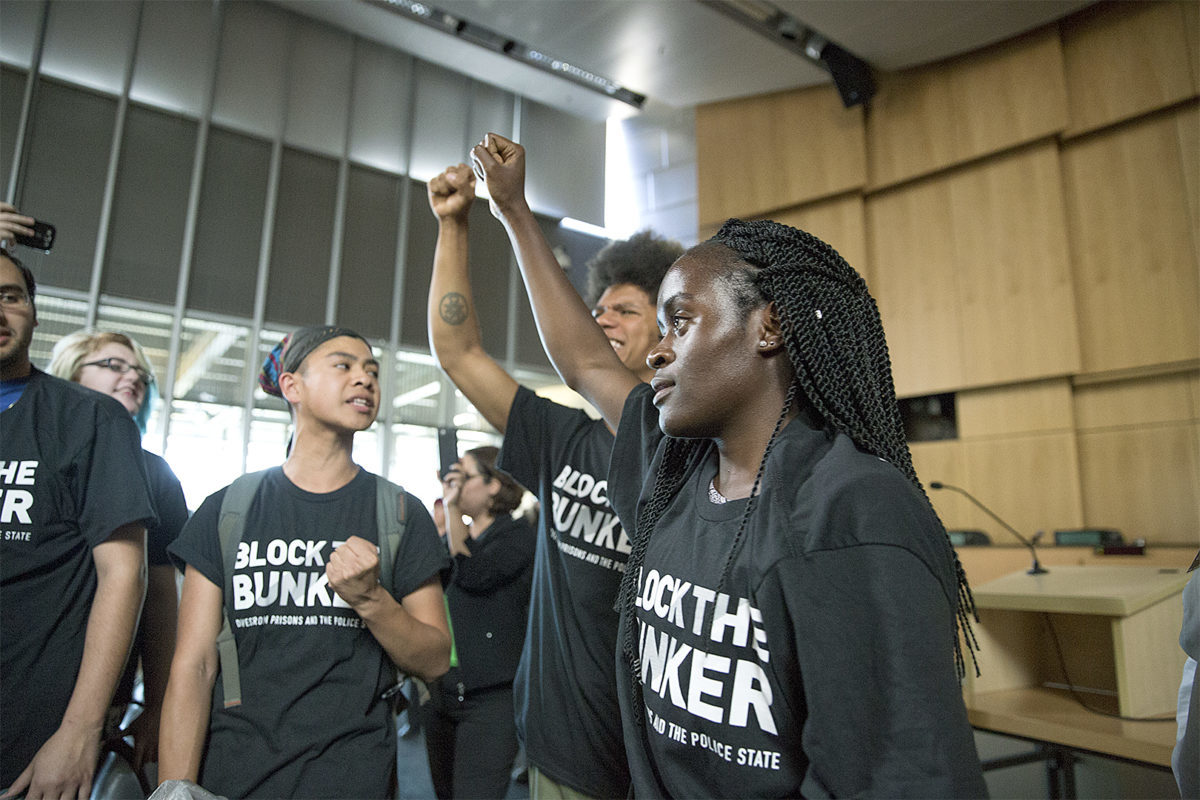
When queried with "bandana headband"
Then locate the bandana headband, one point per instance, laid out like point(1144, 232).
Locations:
point(289, 354)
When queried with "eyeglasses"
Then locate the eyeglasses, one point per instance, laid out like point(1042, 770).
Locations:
point(13, 298)
point(120, 366)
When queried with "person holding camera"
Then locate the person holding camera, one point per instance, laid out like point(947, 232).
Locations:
point(470, 731)
point(74, 510)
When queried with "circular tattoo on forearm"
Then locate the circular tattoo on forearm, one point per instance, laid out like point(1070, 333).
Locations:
point(453, 308)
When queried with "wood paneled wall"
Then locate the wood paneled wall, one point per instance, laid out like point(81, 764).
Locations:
point(1028, 218)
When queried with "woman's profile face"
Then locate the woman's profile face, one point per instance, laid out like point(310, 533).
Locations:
point(127, 387)
point(706, 365)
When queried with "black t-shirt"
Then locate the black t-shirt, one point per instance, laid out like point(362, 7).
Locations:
point(488, 598)
point(823, 665)
point(71, 472)
point(567, 713)
point(311, 722)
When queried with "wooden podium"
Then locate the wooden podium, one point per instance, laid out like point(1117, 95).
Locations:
point(1117, 629)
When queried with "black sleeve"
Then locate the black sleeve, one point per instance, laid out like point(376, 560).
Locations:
point(115, 487)
point(866, 651)
point(171, 507)
point(638, 437)
point(536, 426)
point(198, 544)
point(422, 554)
point(498, 557)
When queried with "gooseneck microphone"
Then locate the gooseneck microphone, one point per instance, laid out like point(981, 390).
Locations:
point(1037, 568)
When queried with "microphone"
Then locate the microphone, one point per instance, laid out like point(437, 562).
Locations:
point(1037, 568)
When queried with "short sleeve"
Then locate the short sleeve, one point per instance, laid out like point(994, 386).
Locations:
point(198, 544)
point(865, 636)
point(421, 556)
point(638, 437)
point(170, 506)
point(536, 426)
point(115, 486)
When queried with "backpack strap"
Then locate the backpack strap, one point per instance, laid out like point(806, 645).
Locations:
point(391, 513)
point(231, 525)
point(391, 518)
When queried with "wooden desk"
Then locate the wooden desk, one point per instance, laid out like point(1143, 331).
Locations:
point(1118, 630)
point(1053, 715)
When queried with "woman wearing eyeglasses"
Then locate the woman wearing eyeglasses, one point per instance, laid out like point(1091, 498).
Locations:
point(470, 729)
point(115, 364)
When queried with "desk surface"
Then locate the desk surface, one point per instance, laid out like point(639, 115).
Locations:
point(1113, 591)
point(1050, 715)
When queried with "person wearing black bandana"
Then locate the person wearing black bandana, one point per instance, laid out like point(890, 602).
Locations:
point(317, 634)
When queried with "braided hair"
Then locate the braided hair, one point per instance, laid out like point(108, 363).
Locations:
point(833, 337)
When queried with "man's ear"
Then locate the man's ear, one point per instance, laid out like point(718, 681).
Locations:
point(770, 333)
point(289, 387)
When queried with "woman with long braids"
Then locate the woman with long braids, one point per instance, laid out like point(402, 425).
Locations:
point(791, 609)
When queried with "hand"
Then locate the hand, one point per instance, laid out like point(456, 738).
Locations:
point(353, 571)
point(500, 163)
point(452, 487)
point(63, 767)
point(13, 223)
point(452, 193)
point(144, 730)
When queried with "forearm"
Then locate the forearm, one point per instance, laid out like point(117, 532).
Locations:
point(416, 647)
point(158, 640)
point(454, 334)
point(576, 346)
point(456, 531)
point(184, 727)
point(188, 700)
point(120, 588)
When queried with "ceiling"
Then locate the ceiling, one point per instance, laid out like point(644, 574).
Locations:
point(681, 53)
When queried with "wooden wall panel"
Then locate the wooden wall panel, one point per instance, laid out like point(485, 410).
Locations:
point(1031, 481)
point(1015, 292)
point(839, 222)
point(913, 279)
point(938, 461)
point(763, 153)
point(1143, 401)
point(1144, 481)
point(1139, 450)
point(1123, 60)
point(1131, 229)
point(933, 117)
point(1191, 28)
point(1041, 407)
point(1188, 131)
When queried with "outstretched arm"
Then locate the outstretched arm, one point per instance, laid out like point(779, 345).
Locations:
point(575, 344)
point(453, 325)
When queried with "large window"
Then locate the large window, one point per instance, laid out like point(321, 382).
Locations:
point(220, 174)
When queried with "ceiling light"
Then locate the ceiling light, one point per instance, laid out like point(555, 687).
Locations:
point(518, 51)
point(851, 75)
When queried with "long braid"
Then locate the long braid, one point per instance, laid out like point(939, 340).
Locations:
point(677, 456)
point(833, 335)
point(834, 338)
